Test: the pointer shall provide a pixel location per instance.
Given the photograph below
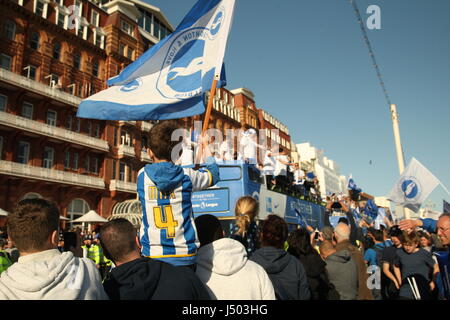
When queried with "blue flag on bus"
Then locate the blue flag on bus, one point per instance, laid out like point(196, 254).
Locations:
point(370, 211)
point(169, 81)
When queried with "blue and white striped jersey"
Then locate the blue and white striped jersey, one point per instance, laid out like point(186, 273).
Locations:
point(168, 231)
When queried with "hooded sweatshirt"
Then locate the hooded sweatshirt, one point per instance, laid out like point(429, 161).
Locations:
point(51, 275)
point(286, 272)
point(168, 231)
point(149, 279)
point(223, 266)
point(343, 274)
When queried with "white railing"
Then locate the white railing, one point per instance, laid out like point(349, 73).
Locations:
point(118, 185)
point(146, 126)
point(133, 123)
point(125, 150)
point(38, 87)
point(40, 128)
point(145, 157)
point(58, 176)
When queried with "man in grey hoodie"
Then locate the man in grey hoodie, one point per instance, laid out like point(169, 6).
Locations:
point(43, 272)
point(342, 271)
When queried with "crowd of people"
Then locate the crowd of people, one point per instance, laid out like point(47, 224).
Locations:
point(174, 256)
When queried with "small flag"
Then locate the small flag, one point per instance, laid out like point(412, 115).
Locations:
point(446, 208)
point(414, 186)
point(370, 211)
point(352, 186)
point(170, 79)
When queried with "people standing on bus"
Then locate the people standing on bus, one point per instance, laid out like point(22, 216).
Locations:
point(246, 229)
point(281, 169)
point(226, 149)
point(224, 268)
point(286, 272)
point(168, 231)
point(268, 167)
point(299, 180)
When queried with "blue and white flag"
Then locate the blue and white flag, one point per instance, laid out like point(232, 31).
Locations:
point(370, 211)
point(352, 186)
point(414, 186)
point(170, 79)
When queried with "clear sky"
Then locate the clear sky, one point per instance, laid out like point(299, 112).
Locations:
point(307, 64)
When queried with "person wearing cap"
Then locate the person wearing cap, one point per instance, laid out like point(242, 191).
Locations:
point(389, 284)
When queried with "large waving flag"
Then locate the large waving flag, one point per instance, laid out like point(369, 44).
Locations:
point(352, 186)
point(169, 80)
point(414, 186)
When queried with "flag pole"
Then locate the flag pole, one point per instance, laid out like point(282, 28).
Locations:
point(199, 154)
point(399, 149)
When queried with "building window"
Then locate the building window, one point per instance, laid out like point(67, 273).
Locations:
point(48, 157)
point(86, 163)
point(78, 127)
point(114, 166)
point(51, 118)
point(95, 18)
point(40, 8)
point(95, 165)
point(30, 72)
point(57, 51)
point(77, 61)
point(89, 128)
point(97, 130)
point(156, 27)
point(5, 62)
point(61, 19)
point(130, 53)
point(75, 161)
point(27, 110)
point(98, 39)
point(67, 160)
point(145, 20)
point(122, 169)
point(76, 209)
point(69, 122)
point(115, 136)
point(24, 152)
point(10, 30)
point(126, 27)
point(121, 49)
point(34, 40)
point(3, 102)
point(95, 69)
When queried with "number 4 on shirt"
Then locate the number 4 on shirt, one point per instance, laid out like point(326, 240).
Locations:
point(164, 220)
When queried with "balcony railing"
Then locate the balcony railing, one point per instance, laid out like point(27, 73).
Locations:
point(51, 131)
point(118, 185)
point(127, 151)
point(132, 123)
point(58, 176)
point(38, 87)
point(145, 157)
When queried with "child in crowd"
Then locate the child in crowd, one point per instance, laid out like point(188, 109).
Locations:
point(168, 231)
point(246, 230)
point(412, 268)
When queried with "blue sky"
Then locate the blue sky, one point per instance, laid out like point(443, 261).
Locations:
point(308, 66)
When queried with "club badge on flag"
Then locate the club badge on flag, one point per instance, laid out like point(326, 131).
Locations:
point(414, 186)
point(170, 79)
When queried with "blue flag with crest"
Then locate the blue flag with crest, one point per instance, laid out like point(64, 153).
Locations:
point(170, 79)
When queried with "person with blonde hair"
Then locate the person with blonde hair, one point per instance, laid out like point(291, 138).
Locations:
point(246, 230)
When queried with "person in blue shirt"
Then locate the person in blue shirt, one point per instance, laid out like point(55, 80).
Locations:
point(168, 231)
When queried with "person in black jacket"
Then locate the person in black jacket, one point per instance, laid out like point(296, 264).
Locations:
point(141, 278)
point(300, 246)
point(286, 272)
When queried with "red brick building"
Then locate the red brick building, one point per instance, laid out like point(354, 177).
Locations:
point(48, 64)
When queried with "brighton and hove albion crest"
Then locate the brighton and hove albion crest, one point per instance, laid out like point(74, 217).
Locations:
point(410, 188)
point(186, 63)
